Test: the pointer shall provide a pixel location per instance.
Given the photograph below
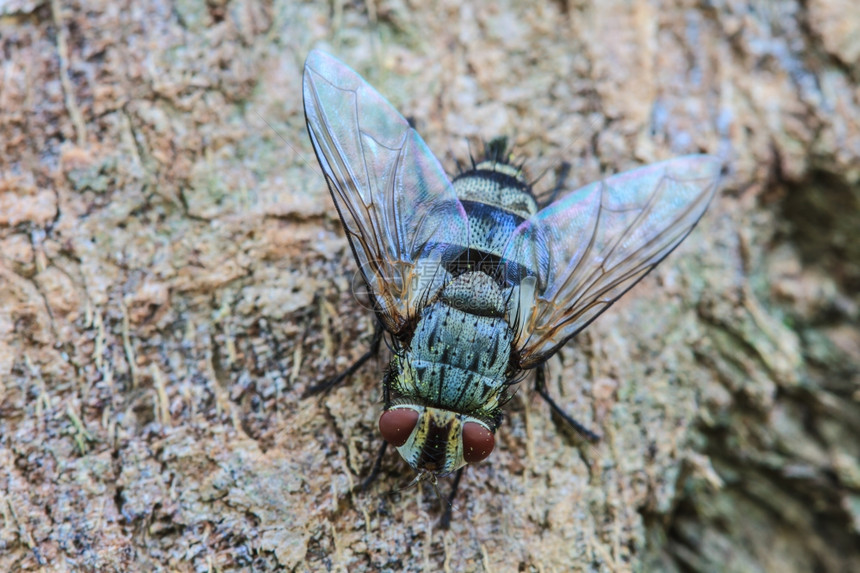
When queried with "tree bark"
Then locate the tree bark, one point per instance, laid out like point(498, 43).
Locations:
point(173, 277)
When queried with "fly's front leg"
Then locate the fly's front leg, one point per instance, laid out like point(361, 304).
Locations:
point(377, 466)
point(386, 399)
point(540, 387)
point(330, 383)
point(445, 521)
point(326, 385)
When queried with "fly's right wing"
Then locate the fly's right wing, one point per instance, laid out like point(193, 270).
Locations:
point(396, 203)
point(592, 246)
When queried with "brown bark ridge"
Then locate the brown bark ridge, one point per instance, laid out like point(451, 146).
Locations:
point(173, 276)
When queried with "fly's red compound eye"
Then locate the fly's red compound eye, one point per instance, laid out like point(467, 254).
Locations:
point(478, 442)
point(396, 425)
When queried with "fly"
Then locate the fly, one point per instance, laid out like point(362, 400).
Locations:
point(471, 279)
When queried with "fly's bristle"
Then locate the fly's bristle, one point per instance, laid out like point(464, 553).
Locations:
point(496, 150)
point(471, 155)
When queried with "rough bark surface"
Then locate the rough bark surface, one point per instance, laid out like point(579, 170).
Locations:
point(173, 276)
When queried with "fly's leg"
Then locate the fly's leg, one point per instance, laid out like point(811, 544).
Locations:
point(326, 385)
point(330, 383)
point(445, 521)
point(559, 183)
point(540, 386)
point(377, 466)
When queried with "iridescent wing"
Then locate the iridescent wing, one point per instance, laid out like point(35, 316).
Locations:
point(592, 246)
point(397, 206)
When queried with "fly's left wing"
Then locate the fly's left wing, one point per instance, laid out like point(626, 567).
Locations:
point(396, 203)
point(592, 246)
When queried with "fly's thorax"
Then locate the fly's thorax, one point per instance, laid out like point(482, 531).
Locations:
point(434, 439)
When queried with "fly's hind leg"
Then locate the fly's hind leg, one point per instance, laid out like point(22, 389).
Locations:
point(560, 182)
point(540, 387)
point(328, 384)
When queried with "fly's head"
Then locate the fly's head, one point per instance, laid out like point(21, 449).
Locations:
point(436, 440)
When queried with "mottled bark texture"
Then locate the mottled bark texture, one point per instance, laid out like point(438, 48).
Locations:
point(173, 276)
